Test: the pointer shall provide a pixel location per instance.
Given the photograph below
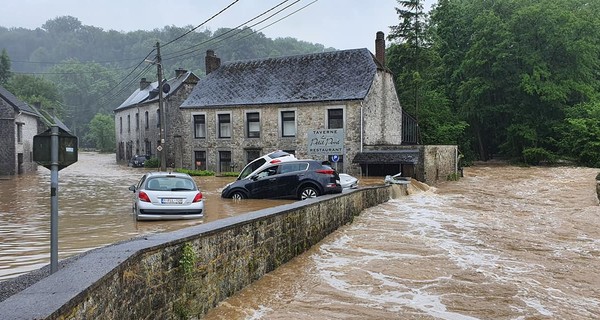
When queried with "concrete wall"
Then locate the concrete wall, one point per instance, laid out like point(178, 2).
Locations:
point(183, 274)
point(439, 162)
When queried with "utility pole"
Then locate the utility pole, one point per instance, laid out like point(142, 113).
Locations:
point(162, 148)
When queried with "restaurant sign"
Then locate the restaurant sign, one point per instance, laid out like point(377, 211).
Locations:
point(326, 141)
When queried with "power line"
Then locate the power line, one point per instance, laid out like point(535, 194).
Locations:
point(203, 23)
point(258, 30)
point(223, 34)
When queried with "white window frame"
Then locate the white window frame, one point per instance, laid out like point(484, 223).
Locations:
point(195, 133)
point(343, 116)
point(247, 123)
point(219, 133)
point(282, 126)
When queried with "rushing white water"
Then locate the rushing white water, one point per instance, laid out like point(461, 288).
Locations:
point(502, 243)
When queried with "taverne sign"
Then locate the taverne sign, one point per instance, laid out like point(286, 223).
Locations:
point(326, 141)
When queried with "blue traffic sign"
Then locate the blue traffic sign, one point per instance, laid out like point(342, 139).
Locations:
point(335, 158)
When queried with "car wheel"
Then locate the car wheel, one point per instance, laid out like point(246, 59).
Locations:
point(238, 195)
point(308, 192)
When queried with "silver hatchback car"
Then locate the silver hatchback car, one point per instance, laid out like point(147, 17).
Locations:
point(167, 196)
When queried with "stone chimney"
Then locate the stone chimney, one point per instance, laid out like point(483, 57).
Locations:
point(179, 72)
point(212, 62)
point(380, 47)
point(144, 83)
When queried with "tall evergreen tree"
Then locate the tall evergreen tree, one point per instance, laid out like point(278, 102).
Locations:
point(4, 67)
point(409, 33)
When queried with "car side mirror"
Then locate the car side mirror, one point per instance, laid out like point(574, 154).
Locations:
point(254, 178)
point(132, 188)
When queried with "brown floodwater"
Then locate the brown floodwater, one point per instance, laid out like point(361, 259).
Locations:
point(94, 210)
point(502, 243)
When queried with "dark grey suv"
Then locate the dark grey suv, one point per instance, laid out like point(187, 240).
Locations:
point(299, 179)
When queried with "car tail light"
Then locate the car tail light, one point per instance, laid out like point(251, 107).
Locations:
point(325, 171)
point(144, 197)
point(275, 161)
point(198, 197)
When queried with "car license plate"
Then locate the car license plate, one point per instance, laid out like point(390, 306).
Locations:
point(171, 201)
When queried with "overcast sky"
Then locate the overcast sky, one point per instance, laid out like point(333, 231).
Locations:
point(342, 24)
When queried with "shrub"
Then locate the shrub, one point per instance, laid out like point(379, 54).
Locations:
point(533, 156)
point(202, 173)
point(229, 174)
point(152, 163)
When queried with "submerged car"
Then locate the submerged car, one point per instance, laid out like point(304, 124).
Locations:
point(348, 182)
point(264, 161)
point(300, 179)
point(137, 161)
point(167, 196)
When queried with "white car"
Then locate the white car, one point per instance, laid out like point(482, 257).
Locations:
point(167, 196)
point(264, 161)
point(348, 182)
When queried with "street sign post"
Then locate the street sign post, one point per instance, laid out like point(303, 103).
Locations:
point(54, 149)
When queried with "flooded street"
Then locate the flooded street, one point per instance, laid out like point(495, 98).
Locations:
point(501, 243)
point(94, 210)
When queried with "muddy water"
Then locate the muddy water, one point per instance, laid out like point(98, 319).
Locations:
point(501, 243)
point(94, 210)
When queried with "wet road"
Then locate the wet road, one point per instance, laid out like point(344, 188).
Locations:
point(94, 210)
point(501, 243)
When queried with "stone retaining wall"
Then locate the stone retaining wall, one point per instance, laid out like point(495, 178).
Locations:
point(182, 274)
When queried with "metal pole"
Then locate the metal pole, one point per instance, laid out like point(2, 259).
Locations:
point(161, 110)
point(54, 198)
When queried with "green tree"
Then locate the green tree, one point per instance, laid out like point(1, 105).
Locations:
point(33, 90)
point(84, 87)
point(4, 67)
point(102, 133)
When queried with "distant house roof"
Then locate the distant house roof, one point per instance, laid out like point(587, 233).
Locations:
point(150, 93)
point(327, 76)
point(17, 104)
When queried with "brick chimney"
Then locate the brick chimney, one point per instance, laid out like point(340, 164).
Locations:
point(179, 72)
point(380, 47)
point(212, 62)
point(144, 83)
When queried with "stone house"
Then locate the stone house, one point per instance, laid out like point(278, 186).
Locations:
point(137, 119)
point(19, 123)
point(243, 109)
point(339, 106)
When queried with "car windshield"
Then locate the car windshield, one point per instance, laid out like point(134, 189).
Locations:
point(170, 184)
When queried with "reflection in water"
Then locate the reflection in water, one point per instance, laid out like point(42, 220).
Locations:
point(501, 243)
point(94, 210)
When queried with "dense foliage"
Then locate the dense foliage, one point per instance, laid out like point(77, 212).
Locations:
point(80, 71)
point(512, 78)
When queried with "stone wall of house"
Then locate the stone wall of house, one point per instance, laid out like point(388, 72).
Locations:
point(439, 162)
point(29, 130)
point(133, 137)
point(7, 142)
point(182, 274)
point(382, 113)
point(308, 116)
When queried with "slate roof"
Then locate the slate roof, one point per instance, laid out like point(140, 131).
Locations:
point(327, 76)
point(17, 104)
point(387, 157)
point(150, 93)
